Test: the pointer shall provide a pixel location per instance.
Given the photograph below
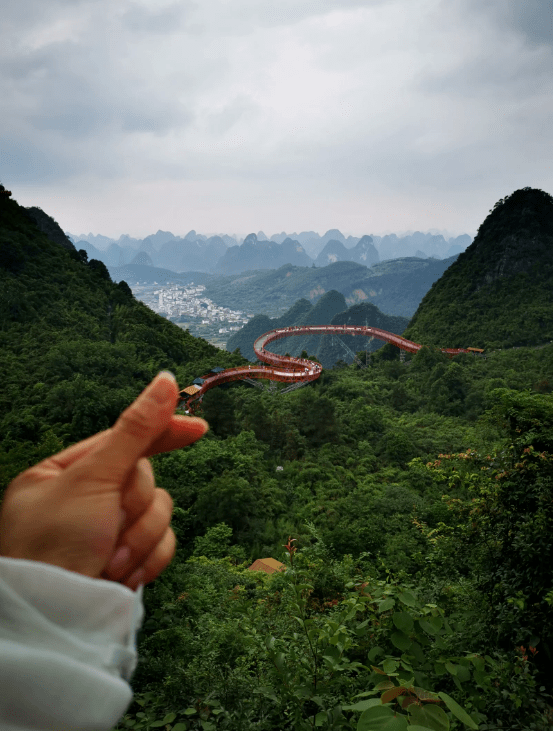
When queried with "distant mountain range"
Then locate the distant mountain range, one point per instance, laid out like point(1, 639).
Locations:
point(223, 254)
point(396, 287)
point(364, 252)
point(255, 254)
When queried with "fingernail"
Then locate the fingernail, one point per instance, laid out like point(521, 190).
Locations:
point(162, 390)
point(118, 560)
point(170, 373)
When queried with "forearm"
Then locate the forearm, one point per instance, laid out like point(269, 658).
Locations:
point(67, 648)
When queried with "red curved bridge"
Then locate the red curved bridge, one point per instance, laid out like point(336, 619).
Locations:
point(287, 368)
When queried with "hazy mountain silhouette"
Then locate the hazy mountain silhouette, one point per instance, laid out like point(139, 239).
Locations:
point(191, 254)
point(332, 252)
point(254, 254)
point(364, 252)
point(324, 249)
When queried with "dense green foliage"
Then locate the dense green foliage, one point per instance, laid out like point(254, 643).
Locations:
point(75, 348)
point(411, 503)
point(498, 292)
point(424, 551)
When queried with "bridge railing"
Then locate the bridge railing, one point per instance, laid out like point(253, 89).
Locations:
point(287, 368)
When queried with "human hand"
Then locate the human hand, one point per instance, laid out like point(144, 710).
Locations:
point(79, 508)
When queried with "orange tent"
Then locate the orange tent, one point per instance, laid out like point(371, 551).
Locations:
point(268, 565)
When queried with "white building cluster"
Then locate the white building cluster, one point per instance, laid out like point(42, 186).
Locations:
point(175, 300)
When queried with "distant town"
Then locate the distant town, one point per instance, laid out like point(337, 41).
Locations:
point(186, 306)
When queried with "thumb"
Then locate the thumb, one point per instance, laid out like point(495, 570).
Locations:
point(139, 425)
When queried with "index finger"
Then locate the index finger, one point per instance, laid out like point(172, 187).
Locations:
point(181, 432)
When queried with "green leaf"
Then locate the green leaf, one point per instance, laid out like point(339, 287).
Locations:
point(169, 718)
point(381, 718)
point(457, 683)
point(457, 711)
point(385, 685)
point(189, 711)
point(389, 666)
point(425, 695)
point(481, 678)
point(407, 598)
point(363, 705)
point(374, 652)
point(304, 691)
point(416, 650)
point(403, 621)
point(437, 623)
point(427, 627)
point(401, 641)
point(320, 718)
point(431, 717)
point(387, 604)
point(463, 673)
point(157, 724)
point(451, 668)
point(478, 662)
point(179, 727)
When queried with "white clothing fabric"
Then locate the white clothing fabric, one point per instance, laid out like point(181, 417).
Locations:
point(67, 648)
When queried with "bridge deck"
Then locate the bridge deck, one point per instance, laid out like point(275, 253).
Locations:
point(285, 368)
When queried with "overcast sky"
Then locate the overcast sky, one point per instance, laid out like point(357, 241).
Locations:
point(371, 116)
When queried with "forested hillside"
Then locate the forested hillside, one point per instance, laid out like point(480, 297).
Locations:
point(395, 287)
point(331, 309)
point(419, 499)
point(498, 292)
point(75, 348)
point(411, 504)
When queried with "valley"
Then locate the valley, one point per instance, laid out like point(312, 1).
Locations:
point(410, 501)
point(187, 306)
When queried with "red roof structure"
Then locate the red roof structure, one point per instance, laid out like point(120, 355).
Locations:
point(268, 565)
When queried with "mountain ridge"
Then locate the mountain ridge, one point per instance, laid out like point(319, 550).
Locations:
point(330, 309)
point(498, 291)
point(189, 253)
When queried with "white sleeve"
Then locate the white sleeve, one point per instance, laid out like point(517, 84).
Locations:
point(67, 648)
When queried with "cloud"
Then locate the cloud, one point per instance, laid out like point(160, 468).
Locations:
point(166, 20)
point(77, 98)
point(25, 162)
point(313, 103)
point(531, 19)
